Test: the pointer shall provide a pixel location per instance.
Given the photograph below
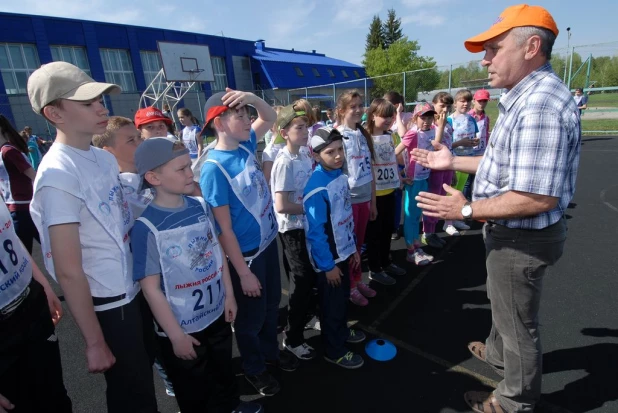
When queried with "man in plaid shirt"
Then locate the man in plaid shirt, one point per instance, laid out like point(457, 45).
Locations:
point(524, 183)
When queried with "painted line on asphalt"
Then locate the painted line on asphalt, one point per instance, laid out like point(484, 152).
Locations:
point(604, 200)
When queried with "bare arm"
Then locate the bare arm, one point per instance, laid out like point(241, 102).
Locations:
point(266, 115)
point(513, 204)
point(267, 168)
point(466, 164)
point(55, 307)
point(284, 206)
point(66, 250)
point(30, 173)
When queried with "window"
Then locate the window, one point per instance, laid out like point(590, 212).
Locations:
point(17, 62)
point(315, 72)
point(298, 71)
point(218, 69)
point(71, 54)
point(330, 73)
point(357, 74)
point(118, 68)
point(151, 63)
point(344, 73)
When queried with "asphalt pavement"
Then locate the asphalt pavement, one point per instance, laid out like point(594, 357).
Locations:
point(434, 311)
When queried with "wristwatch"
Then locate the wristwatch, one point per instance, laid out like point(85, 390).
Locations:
point(466, 211)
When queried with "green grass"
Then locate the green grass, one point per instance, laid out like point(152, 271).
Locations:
point(587, 125)
point(604, 100)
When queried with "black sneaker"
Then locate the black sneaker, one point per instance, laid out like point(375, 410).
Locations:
point(246, 407)
point(264, 383)
point(348, 361)
point(356, 336)
point(393, 269)
point(286, 362)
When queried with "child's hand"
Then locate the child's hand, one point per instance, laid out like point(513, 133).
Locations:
point(399, 108)
point(5, 404)
point(237, 99)
point(250, 285)
point(230, 308)
point(334, 277)
point(183, 347)
point(100, 358)
point(441, 119)
point(355, 261)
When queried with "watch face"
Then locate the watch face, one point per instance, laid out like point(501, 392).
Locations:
point(466, 211)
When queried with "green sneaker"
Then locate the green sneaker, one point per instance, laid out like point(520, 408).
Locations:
point(348, 361)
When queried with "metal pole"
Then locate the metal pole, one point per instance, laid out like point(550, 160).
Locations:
point(570, 69)
point(306, 94)
point(567, 54)
point(288, 96)
point(334, 96)
point(404, 87)
point(450, 78)
point(365, 92)
point(588, 72)
point(199, 102)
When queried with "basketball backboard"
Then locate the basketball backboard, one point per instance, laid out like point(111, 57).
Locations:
point(186, 62)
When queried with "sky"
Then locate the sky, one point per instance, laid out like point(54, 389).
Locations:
point(337, 28)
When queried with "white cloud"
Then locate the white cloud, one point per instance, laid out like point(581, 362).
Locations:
point(354, 13)
point(424, 19)
point(289, 20)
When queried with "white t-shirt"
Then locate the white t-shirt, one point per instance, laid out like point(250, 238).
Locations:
point(57, 200)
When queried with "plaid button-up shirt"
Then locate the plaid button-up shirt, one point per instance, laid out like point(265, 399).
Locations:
point(534, 147)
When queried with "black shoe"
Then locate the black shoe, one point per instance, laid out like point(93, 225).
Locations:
point(286, 362)
point(356, 336)
point(264, 383)
point(245, 407)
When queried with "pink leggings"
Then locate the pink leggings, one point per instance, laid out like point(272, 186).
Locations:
point(436, 179)
point(360, 213)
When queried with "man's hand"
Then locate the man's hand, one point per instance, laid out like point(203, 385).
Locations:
point(440, 160)
point(334, 277)
point(100, 358)
point(183, 346)
point(5, 404)
point(250, 285)
point(445, 207)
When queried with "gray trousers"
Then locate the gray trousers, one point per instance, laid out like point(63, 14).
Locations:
point(517, 260)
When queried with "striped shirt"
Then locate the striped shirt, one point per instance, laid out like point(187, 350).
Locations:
point(534, 147)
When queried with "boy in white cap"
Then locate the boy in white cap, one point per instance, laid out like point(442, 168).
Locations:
point(83, 217)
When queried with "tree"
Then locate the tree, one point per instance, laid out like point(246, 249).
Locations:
point(401, 56)
point(375, 37)
point(392, 29)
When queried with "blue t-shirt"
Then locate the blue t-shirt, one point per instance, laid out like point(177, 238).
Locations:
point(217, 191)
point(143, 243)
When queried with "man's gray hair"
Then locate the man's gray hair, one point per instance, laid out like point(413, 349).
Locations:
point(547, 38)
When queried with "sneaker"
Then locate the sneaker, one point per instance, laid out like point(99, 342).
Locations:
point(382, 278)
point(349, 361)
point(286, 361)
point(366, 290)
point(313, 324)
point(302, 352)
point(431, 240)
point(461, 225)
point(246, 407)
point(419, 257)
point(264, 383)
point(451, 230)
point(395, 236)
point(357, 298)
point(393, 269)
point(170, 392)
point(356, 336)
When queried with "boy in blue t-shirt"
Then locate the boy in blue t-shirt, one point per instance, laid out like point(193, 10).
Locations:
point(184, 275)
point(234, 185)
point(331, 242)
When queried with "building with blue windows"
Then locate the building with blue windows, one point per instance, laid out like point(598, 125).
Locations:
point(128, 56)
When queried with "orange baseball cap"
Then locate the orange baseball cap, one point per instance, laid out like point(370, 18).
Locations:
point(514, 16)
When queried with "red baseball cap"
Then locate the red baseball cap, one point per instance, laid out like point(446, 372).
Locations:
point(149, 115)
point(481, 94)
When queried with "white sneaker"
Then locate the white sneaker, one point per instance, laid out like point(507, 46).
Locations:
point(461, 225)
point(313, 324)
point(451, 230)
point(302, 352)
point(419, 257)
